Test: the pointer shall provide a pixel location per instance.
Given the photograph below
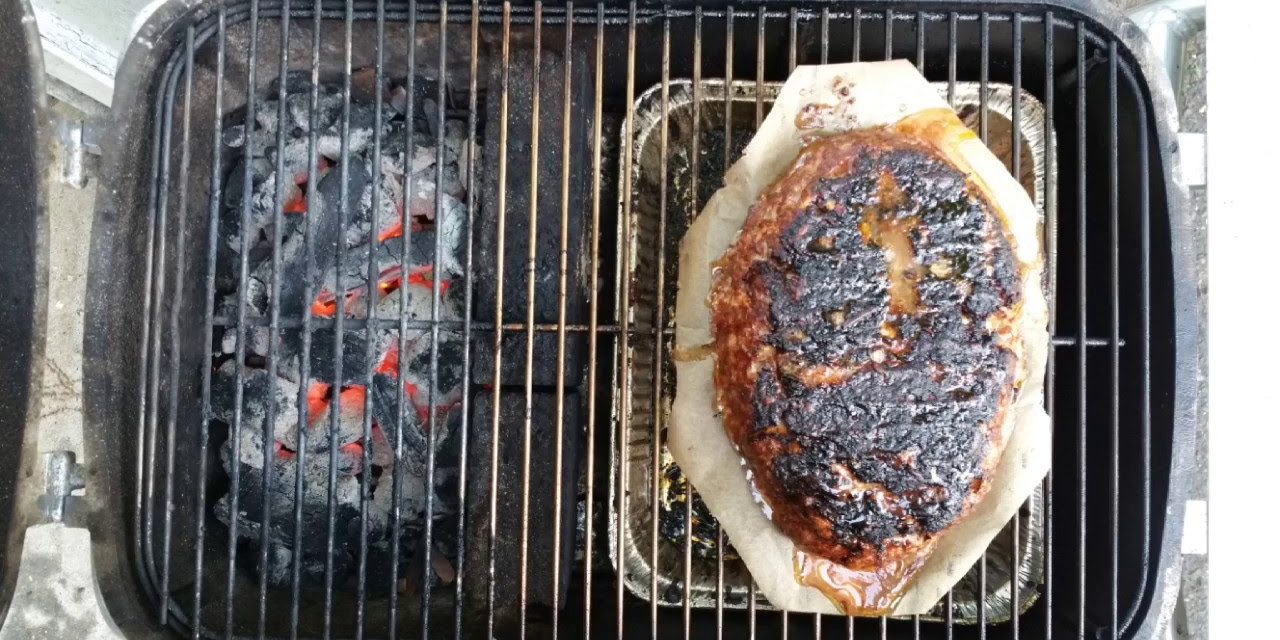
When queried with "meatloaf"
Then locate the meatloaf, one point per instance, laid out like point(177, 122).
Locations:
point(866, 331)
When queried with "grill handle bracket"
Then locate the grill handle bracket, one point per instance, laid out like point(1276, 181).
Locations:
point(63, 480)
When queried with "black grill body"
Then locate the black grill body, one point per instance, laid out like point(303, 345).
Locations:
point(1122, 388)
point(24, 251)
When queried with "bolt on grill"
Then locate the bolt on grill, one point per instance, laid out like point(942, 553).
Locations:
point(544, 98)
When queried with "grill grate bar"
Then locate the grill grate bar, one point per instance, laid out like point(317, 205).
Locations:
point(562, 317)
point(1051, 262)
point(371, 282)
point(500, 256)
point(984, 131)
point(1016, 143)
point(273, 362)
point(473, 96)
point(1144, 230)
point(206, 378)
point(622, 316)
point(1082, 317)
point(856, 23)
point(655, 434)
point(155, 314)
point(406, 239)
point(594, 314)
point(428, 529)
point(920, 59)
point(1114, 187)
point(759, 46)
point(1144, 284)
point(184, 169)
point(696, 162)
point(551, 327)
point(888, 34)
point(530, 293)
point(299, 489)
point(953, 27)
point(728, 162)
point(344, 216)
point(241, 308)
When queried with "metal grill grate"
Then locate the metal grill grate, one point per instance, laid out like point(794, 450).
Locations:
point(1107, 241)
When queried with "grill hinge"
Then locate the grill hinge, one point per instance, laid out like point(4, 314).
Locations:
point(63, 479)
point(80, 142)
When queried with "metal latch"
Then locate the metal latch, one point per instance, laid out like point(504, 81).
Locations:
point(80, 142)
point(63, 479)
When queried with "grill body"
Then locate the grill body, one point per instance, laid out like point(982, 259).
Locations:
point(1122, 390)
point(23, 257)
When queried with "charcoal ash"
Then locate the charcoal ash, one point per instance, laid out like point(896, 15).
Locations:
point(257, 390)
point(319, 416)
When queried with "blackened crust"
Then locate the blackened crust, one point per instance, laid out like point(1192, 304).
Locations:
point(857, 365)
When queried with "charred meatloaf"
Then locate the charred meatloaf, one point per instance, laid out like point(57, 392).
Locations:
point(865, 322)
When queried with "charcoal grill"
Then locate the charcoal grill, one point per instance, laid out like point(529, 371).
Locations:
point(548, 94)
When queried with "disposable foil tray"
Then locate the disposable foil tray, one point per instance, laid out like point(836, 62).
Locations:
point(722, 123)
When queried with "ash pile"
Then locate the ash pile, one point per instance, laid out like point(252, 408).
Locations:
point(346, 416)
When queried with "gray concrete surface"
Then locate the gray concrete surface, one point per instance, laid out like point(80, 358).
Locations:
point(70, 219)
point(1194, 108)
point(57, 596)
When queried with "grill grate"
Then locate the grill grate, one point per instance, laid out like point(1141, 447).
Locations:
point(1108, 402)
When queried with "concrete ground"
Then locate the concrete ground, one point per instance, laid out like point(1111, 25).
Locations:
point(70, 218)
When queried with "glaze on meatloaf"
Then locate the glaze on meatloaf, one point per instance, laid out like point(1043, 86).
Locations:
point(864, 322)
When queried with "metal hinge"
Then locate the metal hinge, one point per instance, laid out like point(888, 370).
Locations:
point(63, 479)
point(80, 142)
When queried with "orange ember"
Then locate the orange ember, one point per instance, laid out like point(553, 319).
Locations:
point(326, 304)
point(298, 203)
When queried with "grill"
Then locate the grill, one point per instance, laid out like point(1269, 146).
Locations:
point(562, 363)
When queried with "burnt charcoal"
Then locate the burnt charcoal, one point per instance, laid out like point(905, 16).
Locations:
point(355, 368)
point(266, 118)
point(519, 206)
point(448, 363)
point(429, 111)
point(233, 136)
point(328, 109)
point(326, 226)
point(545, 357)
point(257, 340)
point(415, 443)
point(394, 144)
point(329, 142)
point(543, 521)
point(306, 442)
point(253, 503)
point(253, 407)
point(295, 81)
point(233, 188)
point(330, 188)
point(323, 434)
point(362, 117)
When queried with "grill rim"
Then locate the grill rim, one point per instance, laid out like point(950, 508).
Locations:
point(110, 363)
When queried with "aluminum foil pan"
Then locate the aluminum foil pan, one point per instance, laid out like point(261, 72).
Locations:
point(656, 565)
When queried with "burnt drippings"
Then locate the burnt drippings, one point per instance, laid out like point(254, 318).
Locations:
point(886, 374)
point(703, 534)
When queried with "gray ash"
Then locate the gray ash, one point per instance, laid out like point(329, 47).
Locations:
point(362, 453)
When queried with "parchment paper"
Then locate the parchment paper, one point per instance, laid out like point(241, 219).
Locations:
point(870, 95)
